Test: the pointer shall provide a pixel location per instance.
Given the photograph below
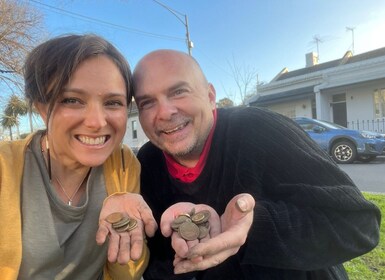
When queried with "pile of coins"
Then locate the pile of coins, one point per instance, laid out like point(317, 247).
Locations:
point(121, 222)
point(191, 226)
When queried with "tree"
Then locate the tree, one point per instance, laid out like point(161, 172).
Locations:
point(16, 107)
point(245, 77)
point(20, 29)
point(225, 102)
point(8, 122)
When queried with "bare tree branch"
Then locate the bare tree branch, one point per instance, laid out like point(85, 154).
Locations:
point(245, 78)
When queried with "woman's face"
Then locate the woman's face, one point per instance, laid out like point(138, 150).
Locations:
point(88, 120)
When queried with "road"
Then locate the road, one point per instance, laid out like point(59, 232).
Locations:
point(369, 177)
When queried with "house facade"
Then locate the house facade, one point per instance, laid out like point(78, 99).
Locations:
point(349, 91)
point(134, 137)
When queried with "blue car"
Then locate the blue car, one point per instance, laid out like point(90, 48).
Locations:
point(344, 145)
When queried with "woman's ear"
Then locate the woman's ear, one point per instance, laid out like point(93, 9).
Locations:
point(43, 110)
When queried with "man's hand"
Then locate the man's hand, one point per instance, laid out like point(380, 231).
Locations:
point(235, 225)
point(181, 246)
point(125, 246)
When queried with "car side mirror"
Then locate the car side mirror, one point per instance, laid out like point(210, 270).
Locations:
point(318, 129)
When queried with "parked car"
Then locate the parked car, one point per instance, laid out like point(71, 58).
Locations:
point(344, 145)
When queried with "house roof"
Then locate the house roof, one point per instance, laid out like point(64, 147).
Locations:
point(347, 59)
point(283, 96)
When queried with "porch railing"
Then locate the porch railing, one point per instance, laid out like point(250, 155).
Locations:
point(375, 125)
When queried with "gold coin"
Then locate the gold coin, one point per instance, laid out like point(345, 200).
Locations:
point(114, 217)
point(201, 217)
point(188, 231)
point(124, 221)
point(132, 224)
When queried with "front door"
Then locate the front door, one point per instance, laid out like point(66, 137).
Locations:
point(339, 109)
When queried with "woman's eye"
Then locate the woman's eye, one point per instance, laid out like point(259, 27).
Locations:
point(70, 101)
point(115, 103)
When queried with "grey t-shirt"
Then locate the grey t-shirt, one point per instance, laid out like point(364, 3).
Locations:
point(58, 240)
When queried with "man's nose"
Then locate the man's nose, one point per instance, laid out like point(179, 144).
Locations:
point(166, 109)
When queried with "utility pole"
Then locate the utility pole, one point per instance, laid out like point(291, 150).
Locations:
point(352, 30)
point(180, 16)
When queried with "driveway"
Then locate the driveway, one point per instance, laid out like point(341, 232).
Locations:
point(369, 177)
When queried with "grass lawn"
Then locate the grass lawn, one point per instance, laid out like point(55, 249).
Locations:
point(371, 266)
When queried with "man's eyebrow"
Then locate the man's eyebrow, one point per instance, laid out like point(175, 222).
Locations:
point(178, 85)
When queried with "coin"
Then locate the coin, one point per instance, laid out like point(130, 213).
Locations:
point(114, 217)
point(201, 217)
point(203, 231)
point(188, 231)
point(132, 224)
point(124, 221)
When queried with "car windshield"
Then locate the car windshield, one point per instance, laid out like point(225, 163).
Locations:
point(330, 125)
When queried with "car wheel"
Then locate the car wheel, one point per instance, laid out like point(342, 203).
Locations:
point(366, 158)
point(344, 152)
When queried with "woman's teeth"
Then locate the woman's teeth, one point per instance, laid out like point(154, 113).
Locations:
point(92, 141)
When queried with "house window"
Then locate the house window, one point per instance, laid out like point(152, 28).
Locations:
point(134, 130)
point(379, 103)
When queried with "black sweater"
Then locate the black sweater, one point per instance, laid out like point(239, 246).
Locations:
point(309, 216)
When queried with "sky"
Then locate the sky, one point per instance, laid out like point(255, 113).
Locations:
point(261, 35)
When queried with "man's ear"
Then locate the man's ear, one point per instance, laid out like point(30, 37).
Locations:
point(212, 96)
point(43, 110)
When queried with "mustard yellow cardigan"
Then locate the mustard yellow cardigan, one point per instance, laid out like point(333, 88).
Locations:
point(11, 173)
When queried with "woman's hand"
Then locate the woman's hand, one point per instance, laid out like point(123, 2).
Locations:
point(127, 245)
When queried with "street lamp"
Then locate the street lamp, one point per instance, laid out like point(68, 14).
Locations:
point(184, 20)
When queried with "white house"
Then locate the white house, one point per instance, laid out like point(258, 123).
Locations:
point(349, 91)
point(134, 136)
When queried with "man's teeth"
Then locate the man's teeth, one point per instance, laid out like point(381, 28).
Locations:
point(175, 129)
point(92, 141)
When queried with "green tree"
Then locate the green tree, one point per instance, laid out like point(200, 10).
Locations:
point(8, 122)
point(15, 108)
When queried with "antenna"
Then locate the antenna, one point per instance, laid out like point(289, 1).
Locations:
point(316, 40)
point(352, 30)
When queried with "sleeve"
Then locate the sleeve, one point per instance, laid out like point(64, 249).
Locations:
point(122, 174)
point(308, 214)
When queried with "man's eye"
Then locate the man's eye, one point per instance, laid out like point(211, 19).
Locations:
point(145, 104)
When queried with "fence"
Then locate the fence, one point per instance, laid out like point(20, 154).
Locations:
point(377, 125)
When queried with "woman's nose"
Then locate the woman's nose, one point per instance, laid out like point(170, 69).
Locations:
point(95, 117)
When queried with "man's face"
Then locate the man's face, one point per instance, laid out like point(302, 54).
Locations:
point(175, 105)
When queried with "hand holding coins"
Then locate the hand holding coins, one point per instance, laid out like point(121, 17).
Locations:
point(191, 226)
point(121, 222)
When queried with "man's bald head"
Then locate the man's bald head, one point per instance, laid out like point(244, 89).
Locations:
point(166, 58)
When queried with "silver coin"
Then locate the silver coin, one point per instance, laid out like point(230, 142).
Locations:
point(188, 231)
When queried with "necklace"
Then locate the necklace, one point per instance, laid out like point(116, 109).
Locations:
point(70, 198)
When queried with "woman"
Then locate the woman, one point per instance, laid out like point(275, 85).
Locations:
point(53, 184)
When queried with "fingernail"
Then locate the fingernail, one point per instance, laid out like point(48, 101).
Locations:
point(242, 205)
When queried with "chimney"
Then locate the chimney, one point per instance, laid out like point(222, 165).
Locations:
point(311, 59)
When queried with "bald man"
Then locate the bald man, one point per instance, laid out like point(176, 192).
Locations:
point(308, 218)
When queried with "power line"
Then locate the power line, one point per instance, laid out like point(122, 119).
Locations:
point(121, 27)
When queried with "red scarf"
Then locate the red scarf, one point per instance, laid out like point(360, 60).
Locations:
point(187, 174)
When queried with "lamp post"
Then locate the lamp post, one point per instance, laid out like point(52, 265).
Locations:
point(184, 20)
